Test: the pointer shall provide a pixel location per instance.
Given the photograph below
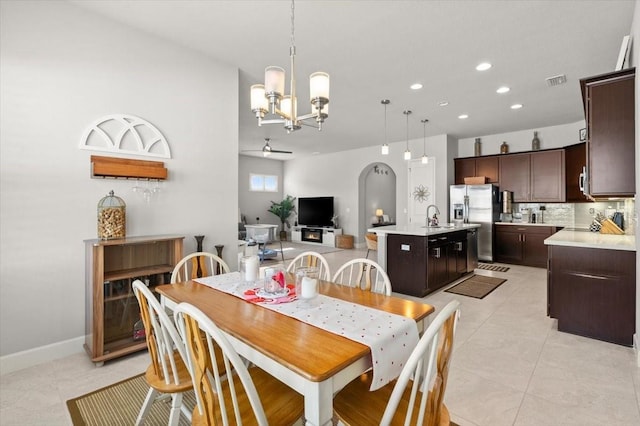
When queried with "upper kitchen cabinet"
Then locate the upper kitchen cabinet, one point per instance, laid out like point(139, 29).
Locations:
point(537, 176)
point(477, 166)
point(575, 159)
point(515, 175)
point(548, 176)
point(610, 116)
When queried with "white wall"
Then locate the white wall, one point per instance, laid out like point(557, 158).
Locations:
point(256, 204)
point(60, 69)
point(550, 137)
point(337, 174)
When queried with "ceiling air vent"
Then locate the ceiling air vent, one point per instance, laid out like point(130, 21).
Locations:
point(556, 80)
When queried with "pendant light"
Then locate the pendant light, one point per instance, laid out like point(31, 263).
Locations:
point(425, 159)
point(407, 153)
point(385, 145)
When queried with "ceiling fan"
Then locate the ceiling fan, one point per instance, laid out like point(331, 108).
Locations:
point(267, 150)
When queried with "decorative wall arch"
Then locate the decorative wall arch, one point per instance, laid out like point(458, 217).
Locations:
point(125, 134)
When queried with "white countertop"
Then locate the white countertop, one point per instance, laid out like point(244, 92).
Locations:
point(586, 239)
point(422, 230)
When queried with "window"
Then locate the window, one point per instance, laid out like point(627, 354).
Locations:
point(263, 183)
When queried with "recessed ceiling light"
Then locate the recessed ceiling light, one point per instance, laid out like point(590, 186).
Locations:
point(315, 153)
point(483, 66)
point(463, 116)
point(516, 106)
point(503, 89)
point(416, 86)
point(443, 103)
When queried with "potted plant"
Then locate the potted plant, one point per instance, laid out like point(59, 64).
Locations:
point(283, 210)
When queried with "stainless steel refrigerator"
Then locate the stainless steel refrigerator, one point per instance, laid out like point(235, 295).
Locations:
point(480, 204)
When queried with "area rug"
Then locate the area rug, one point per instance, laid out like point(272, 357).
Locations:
point(490, 267)
point(119, 404)
point(477, 286)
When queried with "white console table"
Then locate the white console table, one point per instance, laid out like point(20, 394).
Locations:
point(315, 235)
point(261, 232)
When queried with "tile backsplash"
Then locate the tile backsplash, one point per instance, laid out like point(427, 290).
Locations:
point(580, 215)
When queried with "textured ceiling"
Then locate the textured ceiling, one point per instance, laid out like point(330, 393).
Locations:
point(376, 49)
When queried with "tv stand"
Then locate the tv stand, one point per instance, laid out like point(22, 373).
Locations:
point(321, 235)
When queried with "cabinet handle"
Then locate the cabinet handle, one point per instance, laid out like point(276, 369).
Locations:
point(594, 277)
point(436, 252)
point(581, 181)
point(459, 246)
point(442, 238)
point(524, 238)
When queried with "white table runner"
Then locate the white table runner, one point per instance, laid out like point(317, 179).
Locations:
point(391, 337)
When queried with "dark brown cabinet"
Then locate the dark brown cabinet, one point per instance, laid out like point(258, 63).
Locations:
point(547, 176)
point(515, 176)
point(575, 159)
point(464, 167)
point(419, 265)
point(508, 244)
point(534, 176)
point(610, 115)
point(592, 292)
point(522, 244)
point(437, 262)
point(407, 264)
point(477, 166)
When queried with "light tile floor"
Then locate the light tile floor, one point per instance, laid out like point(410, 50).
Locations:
point(510, 367)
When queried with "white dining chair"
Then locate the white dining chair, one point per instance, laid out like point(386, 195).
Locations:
point(248, 396)
point(365, 274)
point(311, 258)
point(168, 372)
point(186, 268)
point(416, 396)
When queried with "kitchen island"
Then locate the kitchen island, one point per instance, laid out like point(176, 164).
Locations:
point(591, 284)
point(420, 260)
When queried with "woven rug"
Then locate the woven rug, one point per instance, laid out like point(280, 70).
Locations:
point(119, 404)
point(490, 267)
point(477, 286)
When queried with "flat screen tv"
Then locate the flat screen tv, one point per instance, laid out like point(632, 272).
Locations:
point(315, 211)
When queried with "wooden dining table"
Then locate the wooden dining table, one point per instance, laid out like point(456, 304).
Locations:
point(314, 362)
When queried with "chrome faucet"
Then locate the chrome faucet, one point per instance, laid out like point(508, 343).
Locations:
point(431, 221)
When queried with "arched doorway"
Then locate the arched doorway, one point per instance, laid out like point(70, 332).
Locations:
point(376, 190)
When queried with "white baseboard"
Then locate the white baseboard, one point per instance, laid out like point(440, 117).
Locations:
point(636, 346)
point(35, 356)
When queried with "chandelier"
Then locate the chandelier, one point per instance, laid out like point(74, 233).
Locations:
point(269, 98)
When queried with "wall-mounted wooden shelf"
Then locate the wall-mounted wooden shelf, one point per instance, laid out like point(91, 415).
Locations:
point(103, 167)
